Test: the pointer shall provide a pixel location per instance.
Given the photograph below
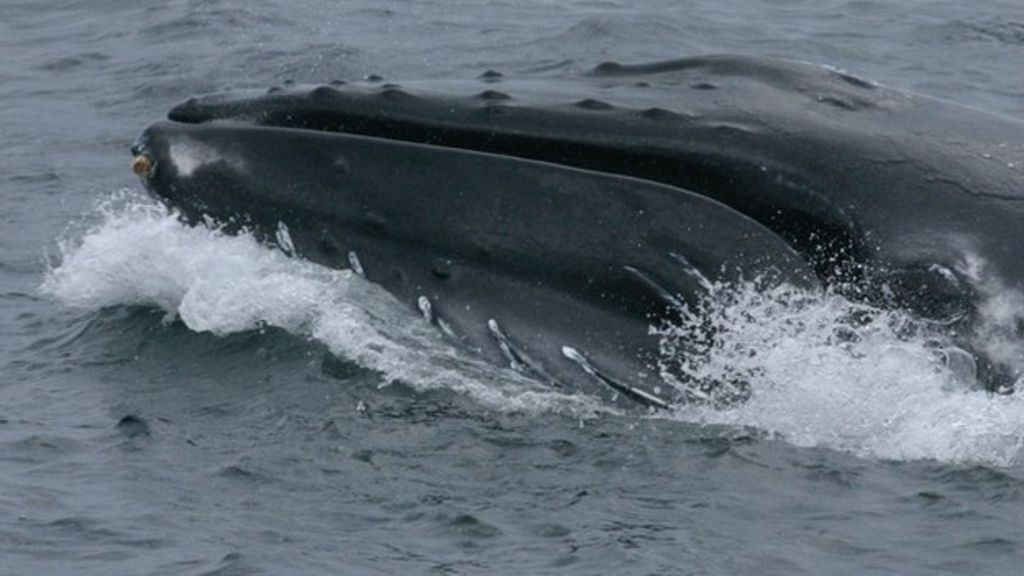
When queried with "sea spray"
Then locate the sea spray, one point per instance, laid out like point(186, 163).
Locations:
point(820, 370)
point(139, 254)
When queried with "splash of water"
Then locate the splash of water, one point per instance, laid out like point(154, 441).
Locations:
point(138, 254)
point(1000, 329)
point(819, 370)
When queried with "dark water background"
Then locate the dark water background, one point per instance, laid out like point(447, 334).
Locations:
point(135, 443)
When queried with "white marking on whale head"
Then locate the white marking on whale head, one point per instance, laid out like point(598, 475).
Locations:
point(188, 155)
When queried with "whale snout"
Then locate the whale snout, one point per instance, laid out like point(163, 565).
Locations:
point(150, 152)
point(151, 162)
point(182, 171)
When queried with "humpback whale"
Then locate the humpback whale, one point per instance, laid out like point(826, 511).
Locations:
point(553, 271)
point(547, 223)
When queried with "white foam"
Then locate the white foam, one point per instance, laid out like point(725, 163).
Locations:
point(823, 371)
point(140, 255)
point(1000, 327)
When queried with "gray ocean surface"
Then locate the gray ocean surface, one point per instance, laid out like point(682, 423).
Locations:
point(175, 401)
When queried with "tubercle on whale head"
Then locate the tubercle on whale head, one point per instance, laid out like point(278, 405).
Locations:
point(142, 165)
point(144, 158)
point(149, 161)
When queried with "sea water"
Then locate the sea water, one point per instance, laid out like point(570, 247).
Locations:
point(176, 400)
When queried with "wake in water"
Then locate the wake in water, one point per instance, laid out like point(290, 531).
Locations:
point(138, 254)
point(815, 369)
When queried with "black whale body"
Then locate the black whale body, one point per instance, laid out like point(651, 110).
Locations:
point(555, 271)
point(897, 197)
